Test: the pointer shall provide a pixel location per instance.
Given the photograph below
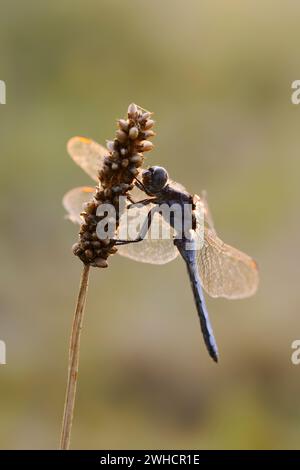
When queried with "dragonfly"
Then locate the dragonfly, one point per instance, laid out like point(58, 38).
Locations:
point(219, 269)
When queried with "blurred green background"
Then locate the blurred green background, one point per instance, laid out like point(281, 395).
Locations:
point(218, 76)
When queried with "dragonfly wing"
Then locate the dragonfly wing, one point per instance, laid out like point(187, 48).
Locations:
point(224, 270)
point(202, 204)
point(154, 249)
point(73, 202)
point(87, 154)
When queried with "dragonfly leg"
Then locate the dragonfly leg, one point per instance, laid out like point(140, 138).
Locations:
point(131, 200)
point(141, 186)
point(145, 227)
point(144, 202)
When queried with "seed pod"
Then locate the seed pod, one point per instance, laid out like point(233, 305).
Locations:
point(146, 146)
point(112, 250)
point(133, 133)
point(76, 248)
point(83, 228)
point(149, 134)
point(89, 207)
point(149, 124)
point(115, 189)
point(123, 152)
point(114, 166)
point(137, 158)
point(100, 262)
point(107, 192)
point(96, 244)
point(89, 254)
point(146, 115)
point(134, 171)
point(110, 145)
point(132, 111)
point(115, 155)
point(123, 124)
point(125, 162)
point(121, 136)
point(105, 241)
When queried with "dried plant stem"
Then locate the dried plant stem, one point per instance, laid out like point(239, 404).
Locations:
point(74, 361)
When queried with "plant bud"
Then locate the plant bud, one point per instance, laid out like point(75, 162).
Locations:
point(110, 145)
point(149, 124)
point(125, 162)
point(100, 263)
point(145, 116)
point(133, 133)
point(76, 248)
point(121, 136)
point(123, 124)
point(115, 155)
point(146, 146)
point(132, 111)
point(89, 254)
point(149, 134)
point(137, 158)
point(134, 171)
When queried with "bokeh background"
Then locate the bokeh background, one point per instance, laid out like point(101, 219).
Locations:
point(218, 76)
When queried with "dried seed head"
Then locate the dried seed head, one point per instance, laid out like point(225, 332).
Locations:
point(132, 111)
point(133, 133)
point(123, 124)
point(121, 136)
point(149, 124)
point(121, 163)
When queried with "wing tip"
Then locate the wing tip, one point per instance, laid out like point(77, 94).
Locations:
point(75, 140)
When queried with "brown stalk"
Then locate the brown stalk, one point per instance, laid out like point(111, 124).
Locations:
point(74, 360)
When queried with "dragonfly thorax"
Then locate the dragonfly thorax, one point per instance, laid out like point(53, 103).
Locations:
point(155, 179)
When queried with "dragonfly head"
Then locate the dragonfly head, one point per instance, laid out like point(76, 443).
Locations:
point(155, 179)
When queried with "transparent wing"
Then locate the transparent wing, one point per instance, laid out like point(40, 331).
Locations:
point(88, 154)
point(73, 202)
point(207, 212)
point(157, 248)
point(224, 270)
